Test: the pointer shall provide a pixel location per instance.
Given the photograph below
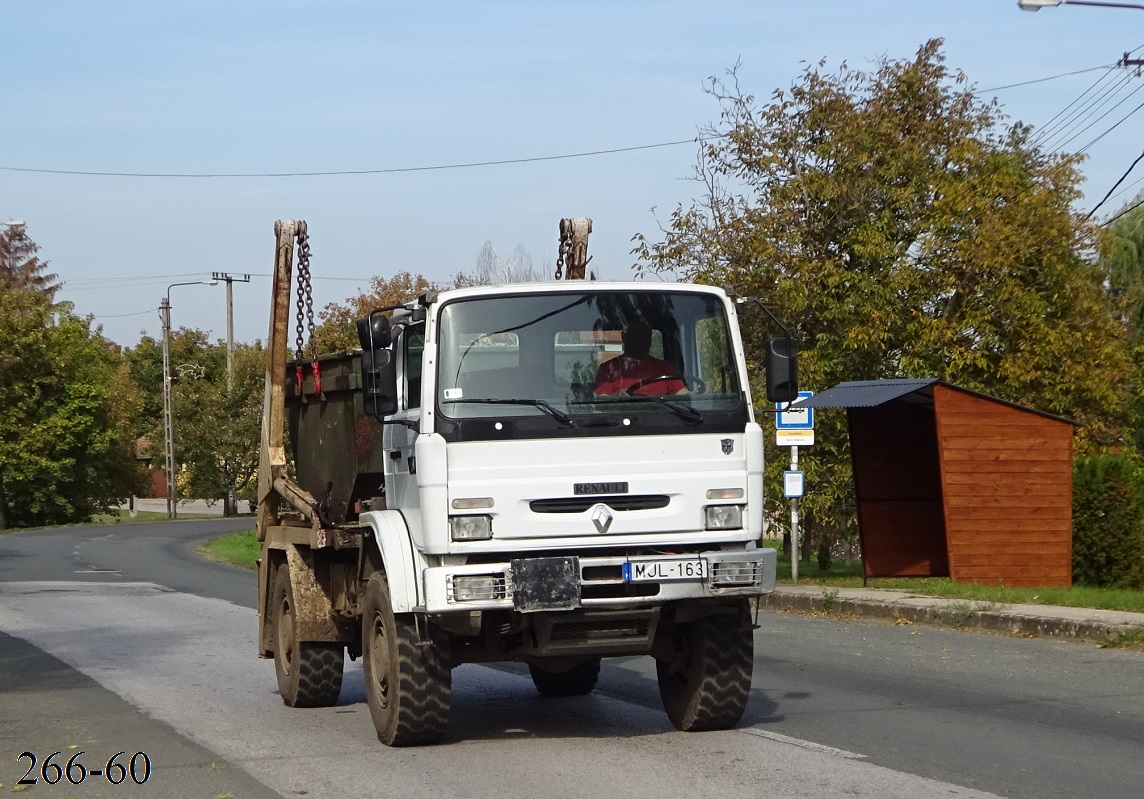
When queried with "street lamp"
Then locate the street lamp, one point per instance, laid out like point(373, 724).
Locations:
point(1037, 5)
point(168, 420)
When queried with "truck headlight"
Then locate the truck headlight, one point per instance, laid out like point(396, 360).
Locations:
point(478, 587)
point(724, 517)
point(724, 575)
point(470, 528)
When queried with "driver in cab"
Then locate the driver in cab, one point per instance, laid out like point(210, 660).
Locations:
point(635, 371)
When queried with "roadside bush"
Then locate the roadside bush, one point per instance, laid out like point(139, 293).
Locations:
point(1108, 520)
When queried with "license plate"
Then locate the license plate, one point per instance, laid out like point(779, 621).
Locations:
point(658, 571)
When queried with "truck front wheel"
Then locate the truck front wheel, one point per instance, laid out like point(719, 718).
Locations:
point(408, 681)
point(707, 685)
point(309, 674)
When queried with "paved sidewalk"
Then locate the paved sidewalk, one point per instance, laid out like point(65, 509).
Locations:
point(1048, 621)
point(197, 507)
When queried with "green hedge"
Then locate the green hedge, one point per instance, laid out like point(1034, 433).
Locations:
point(1108, 520)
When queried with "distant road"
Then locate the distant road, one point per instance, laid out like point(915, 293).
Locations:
point(839, 708)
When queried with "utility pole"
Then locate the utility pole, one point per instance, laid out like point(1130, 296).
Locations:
point(168, 426)
point(168, 413)
point(230, 280)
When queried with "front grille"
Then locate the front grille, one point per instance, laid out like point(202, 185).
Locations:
point(619, 590)
point(600, 629)
point(616, 503)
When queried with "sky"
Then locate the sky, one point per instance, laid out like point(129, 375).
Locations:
point(206, 88)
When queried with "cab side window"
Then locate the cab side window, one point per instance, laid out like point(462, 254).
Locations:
point(413, 348)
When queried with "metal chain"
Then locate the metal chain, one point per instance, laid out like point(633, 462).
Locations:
point(304, 276)
point(564, 249)
point(305, 291)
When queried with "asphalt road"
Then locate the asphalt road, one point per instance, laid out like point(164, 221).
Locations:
point(135, 642)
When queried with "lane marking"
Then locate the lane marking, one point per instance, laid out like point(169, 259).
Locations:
point(799, 742)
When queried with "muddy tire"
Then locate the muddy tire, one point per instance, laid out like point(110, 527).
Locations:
point(577, 681)
point(408, 684)
point(707, 687)
point(309, 674)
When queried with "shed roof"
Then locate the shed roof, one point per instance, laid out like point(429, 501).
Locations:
point(870, 393)
point(867, 393)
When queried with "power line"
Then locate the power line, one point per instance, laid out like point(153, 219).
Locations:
point(1127, 210)
point(1109, 194)
point(122, 315)
point(1042, 80)
point(1067, 128)
point(343, 172)
point(1114, 127)
point(97, 283)
point(1048, 126)
point(1129, 186)
point(1092, 124)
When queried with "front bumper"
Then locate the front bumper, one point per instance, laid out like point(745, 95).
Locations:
point(597, 582)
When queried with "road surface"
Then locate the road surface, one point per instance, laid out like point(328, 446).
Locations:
point(121, 639)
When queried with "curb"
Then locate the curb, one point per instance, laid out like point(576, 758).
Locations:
point(939, 613)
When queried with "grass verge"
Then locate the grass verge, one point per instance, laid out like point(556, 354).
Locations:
point(840, 575)
point(240, 549)
point(1129, 639)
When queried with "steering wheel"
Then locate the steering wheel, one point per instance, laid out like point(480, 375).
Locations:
point(693, 383)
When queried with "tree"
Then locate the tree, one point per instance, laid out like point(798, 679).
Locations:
point(338, 327)
point(191, 352)
point(216, 429)
point(68, 413)
point(219, 429)
point(1123, 263)
point(20, 266)
point(492, 270)
point(903, 230)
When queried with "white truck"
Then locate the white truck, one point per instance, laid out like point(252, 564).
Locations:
point(462, 492)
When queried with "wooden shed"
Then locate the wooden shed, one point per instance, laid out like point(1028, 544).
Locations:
point(953, 483)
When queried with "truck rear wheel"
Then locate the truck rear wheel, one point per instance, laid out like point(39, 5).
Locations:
point(707, 687)
point(577, 681)
point(408, 683)
point(309, 674)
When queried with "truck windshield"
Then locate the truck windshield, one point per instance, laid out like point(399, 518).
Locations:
point(587, 354)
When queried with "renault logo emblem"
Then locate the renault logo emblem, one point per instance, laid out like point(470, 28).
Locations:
point(602, 518)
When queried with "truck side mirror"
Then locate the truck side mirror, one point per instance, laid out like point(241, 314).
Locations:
point(373, 332)
point(378, 382)
point(781, 364)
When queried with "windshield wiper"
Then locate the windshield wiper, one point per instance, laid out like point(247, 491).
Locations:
point(685, 412)
point(545, 406)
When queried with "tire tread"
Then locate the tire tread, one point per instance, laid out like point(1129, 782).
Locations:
point(712, 691)
point(421, 682)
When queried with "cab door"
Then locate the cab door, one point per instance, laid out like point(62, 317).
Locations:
point(398, 439)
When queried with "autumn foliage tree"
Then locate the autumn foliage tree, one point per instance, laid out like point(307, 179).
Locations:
point(903, 228)
point(219, 426)
point(337, 329)
point(68, 414)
